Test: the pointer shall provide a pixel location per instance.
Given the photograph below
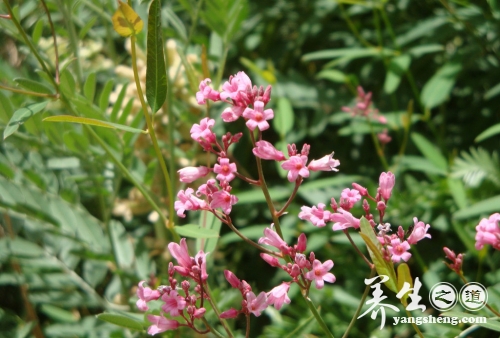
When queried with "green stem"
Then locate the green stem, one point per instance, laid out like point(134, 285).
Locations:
point(152, 134)
point(352, 27)
point(415, 327)
point(222, 63)
point(213, 330)
point(318, 317)
point(73, 39)
point(30, 44)
point(360, 306)
point(217, 311)
point(52, 30)
point(379, 150)
point(346, 232)
point(26, 92)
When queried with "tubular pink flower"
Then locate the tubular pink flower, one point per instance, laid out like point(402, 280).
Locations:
point(180, 253)
point(206, 92)
point(419, 232)
point(316, 215)
point(362, 190)
point(231, 114)
point(257, 117)
point(319, 273)
point(301, 243)
point(297, 166)
point(190, 174)
point(231, 313)
point(279, 295)
point(267, 151)
point(326, 163)
point(386, 183)
point(273, 239)
point(350, 195)
point(232, 88)
point(188, 202)
point(271, 260)
point(488, 232)
point(201, 261)
point(203, 131)
point(145, 295)
point(198, 313)
point(256, 305)
point(224, 200)
point(161, 324)
point(232, 279)
point(343, 220)
point(174, 304)
point(225, 170)
point(398, 250)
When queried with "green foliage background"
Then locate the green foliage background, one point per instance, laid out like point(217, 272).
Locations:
point(432, 67)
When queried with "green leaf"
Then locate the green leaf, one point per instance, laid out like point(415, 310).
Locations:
point(6, 109)
point(375, 250)
point(121, 321)
point(118, 104)
point(492, 92)
point(22, 115)
point(457, 191)
point(476, 166)
point(430, 151)
point(58, 314)
point(104, 98)
point(37, 32)
point(84, 30)
point(176, 23)
point(33, 86)
point(397, 68)
point(349, 53)
point(486, 206)
point(491, 131)
point(418, 51)
point(283, 117)
point(156, 75)
point(122, 245)
point(89, 87)
point(92, 122)
point(490, 323)
point(67, 85)
point(333, 75)
point(404, 276)
point(438, 88)
point(195, 231)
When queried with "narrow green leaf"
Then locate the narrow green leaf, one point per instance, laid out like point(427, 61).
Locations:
point(490, 323)
point(156, 75)
point(438, 88)
point(6, 109)
point(58, 314)
point(430, 151)
point(118, 104)
point(491, 131)
point(351, 53)
point(121, 321)
point(122, 245)
point(86, 28)
point(89, 87)
point(68, 85)
point(195, 231)
point(22, 115)
point(397, 68)
point(481, 208)
point(92, 122)
point(283, 117)
point(188, 68)
point(37, 32)
point(106, 91)
point(375, 250)
point(176, 23)
point(457, 190)
point(333, 75)
point(34, 86)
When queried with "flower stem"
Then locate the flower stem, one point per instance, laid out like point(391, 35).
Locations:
point(318, 317)
point(357, 249)
point(360, 306)
point(152, 134)
point(216, 310)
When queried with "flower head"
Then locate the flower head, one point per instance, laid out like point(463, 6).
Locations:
point(343, 220)
point(488, 232)
point(190, 174)
point(326, 163)
point(236, 84)
point(186, 201)
point(267, 151)
point(174, 303)
point(257, 117)
point(386, 183)
point(145, 295)
point(224, 200)
point(296, 165)
point(203, 131)
point(316, 215)
point(225, 170)
point(279, 295)
point(398, 250)
point(273, 239)
point(319, 273)
point(206, 92)
point(350, 196)
point(419, 232)
point(256, 304)
point(161, 324)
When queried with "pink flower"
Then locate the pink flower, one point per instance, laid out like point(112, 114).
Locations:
point(351, 196)
point(278, 295)
point(301, 243)
point(174, 304)
point(297, 166)
point(231, 313)
point(203, 131)
point(386, 183)
point(273, 239)
point(206, 92)
point(319, 273)
point(256, 305)
point(225, 170)
point(232, 113)
point(190, 174)
point(488, 232)
point(383, 137)
point(232, 279)
point(316, 215)
point(326, 163)
point(198, 313)
point(145, 295)
point(419, 232)
point(231, 88)
point(224, 200)
point(271, 260)
point(267, 151)
point(257, 116)
point(398, 250)
point(362, 190)
point(201, 261)
point(161, 324)
point(457, 260)
point(188, 202)
point(180, 253)
point(343, 220)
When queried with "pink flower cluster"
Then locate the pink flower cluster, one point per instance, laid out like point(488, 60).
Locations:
point(488, 232)
point(456, 260)
point(395, 246)
point(188, 306)
point(364, 107)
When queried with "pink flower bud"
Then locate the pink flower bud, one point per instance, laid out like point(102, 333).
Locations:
point(231, 313)
point(232, 279)
point(302, 243)
point(386, 184)
point(362, 190)
point(198, 313)
point(326, 163)
point(381, 206)
point(267, 151)
point(271, 260)
point(295, 271)
point(449, 254)
point(190, 174)
point(267, 95)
